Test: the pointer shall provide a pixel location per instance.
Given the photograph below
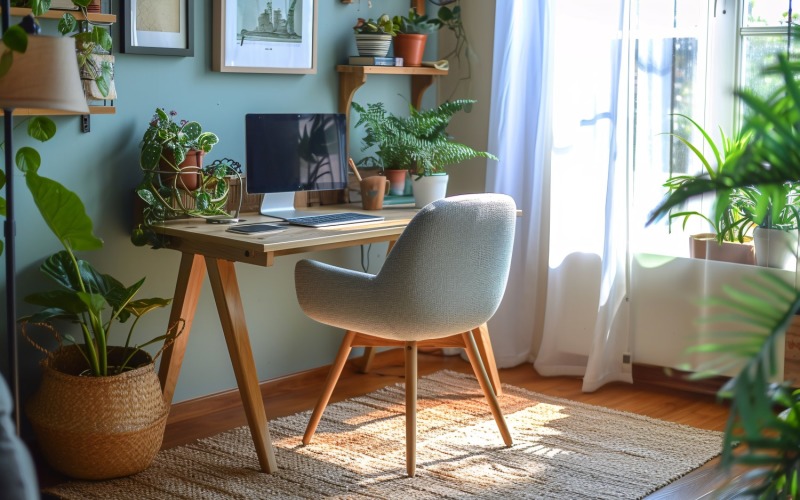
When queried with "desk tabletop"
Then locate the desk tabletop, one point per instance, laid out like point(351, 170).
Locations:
point(213, 240)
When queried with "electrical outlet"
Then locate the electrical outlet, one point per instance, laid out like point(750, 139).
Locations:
point(627, 362)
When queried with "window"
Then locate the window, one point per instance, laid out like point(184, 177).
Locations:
point(687, 58)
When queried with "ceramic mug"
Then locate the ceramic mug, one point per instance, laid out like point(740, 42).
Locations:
point(373, 189)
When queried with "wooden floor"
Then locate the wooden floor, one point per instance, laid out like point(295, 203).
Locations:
point(211, 415)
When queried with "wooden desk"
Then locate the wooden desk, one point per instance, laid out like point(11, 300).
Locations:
point(209, 247)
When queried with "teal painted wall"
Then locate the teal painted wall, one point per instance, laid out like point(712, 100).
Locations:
point(102, 168)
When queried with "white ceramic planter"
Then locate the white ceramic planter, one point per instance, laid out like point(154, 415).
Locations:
point(429, 189)
point(775, 248)
point(373, 44)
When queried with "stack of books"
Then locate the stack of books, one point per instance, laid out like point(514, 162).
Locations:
point(375, 61)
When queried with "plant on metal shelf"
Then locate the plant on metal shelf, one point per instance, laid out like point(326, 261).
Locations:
point(175, 183)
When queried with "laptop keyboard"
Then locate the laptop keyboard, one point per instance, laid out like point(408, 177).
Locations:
point(333, 219)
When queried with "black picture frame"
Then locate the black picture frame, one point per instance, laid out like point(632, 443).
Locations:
point(157, 42)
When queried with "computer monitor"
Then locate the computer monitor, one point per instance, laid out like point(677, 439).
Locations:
point(291, 152)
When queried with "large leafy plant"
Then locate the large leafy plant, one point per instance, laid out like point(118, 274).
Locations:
point(764, 415)
point(94, 301)
point(418, 142)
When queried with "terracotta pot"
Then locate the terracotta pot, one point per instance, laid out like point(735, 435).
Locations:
point(189, 178)
point(94, 6)
point(410, 47)
point(397, 181)
point(705, 246)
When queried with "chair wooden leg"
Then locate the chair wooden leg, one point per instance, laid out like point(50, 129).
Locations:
point(411, 408)
point(486, 386)
point(481, 335)
point(366, 359)
point(330, 383)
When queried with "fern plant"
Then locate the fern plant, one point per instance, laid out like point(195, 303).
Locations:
point(418, 142)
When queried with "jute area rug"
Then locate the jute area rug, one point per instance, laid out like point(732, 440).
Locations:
point(562, 449)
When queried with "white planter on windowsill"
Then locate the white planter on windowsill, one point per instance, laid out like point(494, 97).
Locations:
point(429, 188)
point(775, 248)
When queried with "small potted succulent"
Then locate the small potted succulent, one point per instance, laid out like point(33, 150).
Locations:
point(373, 38)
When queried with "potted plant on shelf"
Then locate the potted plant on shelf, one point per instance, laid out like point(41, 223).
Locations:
point(412, 34)
point(732, 219)
point(99, 412)
point(373, 38)
point(418, 143)
point(93, 46)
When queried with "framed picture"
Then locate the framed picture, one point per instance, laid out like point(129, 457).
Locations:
point(157, 27)
point(265, 36)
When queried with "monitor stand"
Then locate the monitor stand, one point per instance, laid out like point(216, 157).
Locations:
point(281, 206)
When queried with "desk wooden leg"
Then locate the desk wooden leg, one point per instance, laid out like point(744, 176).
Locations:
point(231, 313)
point(481, 335)
point(184, 304)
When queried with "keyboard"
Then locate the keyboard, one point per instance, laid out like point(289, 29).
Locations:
point(334, 219)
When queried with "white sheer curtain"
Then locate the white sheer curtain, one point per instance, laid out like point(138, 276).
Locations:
point(519, 134)
point(558, 115)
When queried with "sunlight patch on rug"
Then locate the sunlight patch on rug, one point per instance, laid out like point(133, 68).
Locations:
point(562, 449)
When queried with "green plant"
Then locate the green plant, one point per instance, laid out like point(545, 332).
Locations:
point(732, 219)
point(164, 147)
point(168, 141)
point(462, 52)
point(85, 297)
point(764, 415)
point(414, 23)
point(383, 26)
point(418, 142)
point(87, 41)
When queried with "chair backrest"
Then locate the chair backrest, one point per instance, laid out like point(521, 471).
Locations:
point(449, 268)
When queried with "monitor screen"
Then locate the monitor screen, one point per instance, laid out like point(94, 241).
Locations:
point(295, 152)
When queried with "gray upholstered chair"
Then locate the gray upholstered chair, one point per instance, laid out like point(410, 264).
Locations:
point(442, 280)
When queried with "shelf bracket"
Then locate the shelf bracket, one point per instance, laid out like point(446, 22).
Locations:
point(86, 123)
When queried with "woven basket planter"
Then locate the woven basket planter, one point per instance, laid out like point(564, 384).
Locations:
point(98, 427)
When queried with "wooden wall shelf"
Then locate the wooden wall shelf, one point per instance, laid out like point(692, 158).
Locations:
point(93, 110)
point(56, 14)
point(351, 78)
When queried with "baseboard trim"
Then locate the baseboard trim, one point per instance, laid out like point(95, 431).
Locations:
point(191, 408)
point(644, 374)
point(671, 378)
